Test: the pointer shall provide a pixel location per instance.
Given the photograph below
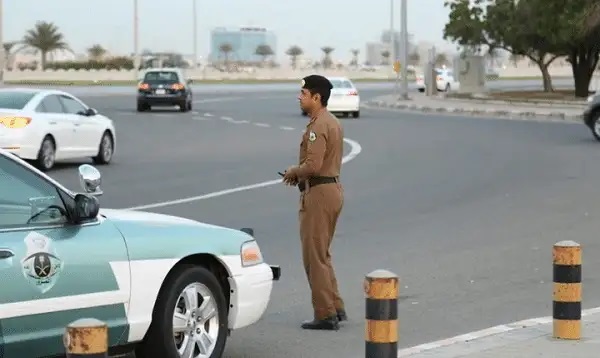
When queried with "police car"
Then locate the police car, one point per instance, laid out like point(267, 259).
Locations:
point(165, 286)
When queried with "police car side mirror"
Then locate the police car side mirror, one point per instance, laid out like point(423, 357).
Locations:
point(86, 207)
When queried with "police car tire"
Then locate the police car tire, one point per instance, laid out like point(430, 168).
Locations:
point(158, 342)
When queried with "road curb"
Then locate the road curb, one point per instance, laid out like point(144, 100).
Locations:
point(428, 349)
point(493, 112)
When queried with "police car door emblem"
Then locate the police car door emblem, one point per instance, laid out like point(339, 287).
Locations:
point(312, 136)
point(41, 266)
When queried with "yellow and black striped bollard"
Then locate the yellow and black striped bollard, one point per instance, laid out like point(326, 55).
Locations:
point(381, 331)
point(86, 338)
point(566, 305)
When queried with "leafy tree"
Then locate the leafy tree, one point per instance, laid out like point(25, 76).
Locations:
point(294, 52)
point(44, 38)
point(385, 54)
point(441, 59)
point(414, 58)
point(541, 30)
point(96, 52)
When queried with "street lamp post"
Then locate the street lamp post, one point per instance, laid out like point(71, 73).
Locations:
point(136, 50)
point(2, 55)
point(393, 54)
point(404, 31)
point(195, 37)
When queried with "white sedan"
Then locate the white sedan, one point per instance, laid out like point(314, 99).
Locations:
point(344, 97)
point(45, 126)
point(444, 78)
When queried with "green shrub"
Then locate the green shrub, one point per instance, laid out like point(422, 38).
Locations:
point(113, 63)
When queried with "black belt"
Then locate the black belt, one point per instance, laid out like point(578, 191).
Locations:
point(314, 181)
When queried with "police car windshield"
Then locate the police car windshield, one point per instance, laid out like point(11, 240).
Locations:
point(340, 84)
point(161, 77)
point(15, 99)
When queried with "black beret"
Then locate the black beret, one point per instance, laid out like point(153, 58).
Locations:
point(316, 82)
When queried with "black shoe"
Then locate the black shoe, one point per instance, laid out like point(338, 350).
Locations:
point(328, 324)
point(341, 315)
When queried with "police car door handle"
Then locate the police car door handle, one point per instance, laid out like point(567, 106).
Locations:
point(6, 254)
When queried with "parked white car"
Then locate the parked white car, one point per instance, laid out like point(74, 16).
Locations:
point(46, 126)
point(344, 97)
point(445, 80)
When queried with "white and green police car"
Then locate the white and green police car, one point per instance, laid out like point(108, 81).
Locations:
point(167, 287)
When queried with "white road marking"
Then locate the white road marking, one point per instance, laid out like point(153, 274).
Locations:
point(286, 128)
point(469, 337)
point(208, 115)
point(227, 119)
point(355, 150)
point(264, 125)
point(240, 121)
point(218, 99)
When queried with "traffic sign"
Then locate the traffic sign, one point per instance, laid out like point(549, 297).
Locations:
point(396, 66)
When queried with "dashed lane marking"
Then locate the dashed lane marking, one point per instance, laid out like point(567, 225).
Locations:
point(261, 125)
point(286, 128)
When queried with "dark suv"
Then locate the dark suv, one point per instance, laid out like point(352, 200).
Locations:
point(164, 87)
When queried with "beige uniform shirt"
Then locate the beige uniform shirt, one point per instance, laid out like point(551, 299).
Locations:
point(322, 147)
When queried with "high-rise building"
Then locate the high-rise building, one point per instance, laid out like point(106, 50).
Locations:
point(397, 40)
point(243, 43)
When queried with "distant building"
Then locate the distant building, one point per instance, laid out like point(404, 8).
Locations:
point(373, 53)
point(243, 41)
point(397, 41)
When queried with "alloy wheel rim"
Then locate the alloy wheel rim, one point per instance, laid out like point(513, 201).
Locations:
point(195, 322)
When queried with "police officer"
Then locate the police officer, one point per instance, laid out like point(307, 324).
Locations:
point(321, 200)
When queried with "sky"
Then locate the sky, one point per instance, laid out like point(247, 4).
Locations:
point(310, 24)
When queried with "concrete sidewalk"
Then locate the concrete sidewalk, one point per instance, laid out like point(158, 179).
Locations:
point(571, 112)
point(526, 339)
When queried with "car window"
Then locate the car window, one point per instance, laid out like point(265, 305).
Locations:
point(341, 84)
point(162, 77)
point(16, 99)
point(50, 104)
point(72, 106)
point(27, 200)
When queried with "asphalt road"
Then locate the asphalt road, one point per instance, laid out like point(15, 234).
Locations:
point(465, 210)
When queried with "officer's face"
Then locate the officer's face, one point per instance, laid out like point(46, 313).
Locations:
point(307, 100)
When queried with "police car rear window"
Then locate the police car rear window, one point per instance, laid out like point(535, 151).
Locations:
point(162, 77)
point(15, 100)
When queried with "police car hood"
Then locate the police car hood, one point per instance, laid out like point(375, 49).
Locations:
point(134, 222)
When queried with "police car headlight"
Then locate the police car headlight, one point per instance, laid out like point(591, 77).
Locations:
point(250, 253)
point(590, 99)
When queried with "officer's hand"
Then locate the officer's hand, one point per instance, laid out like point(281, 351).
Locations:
point(289, 177)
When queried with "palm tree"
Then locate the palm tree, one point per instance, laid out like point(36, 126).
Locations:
point(8, 46)
point(44, 38)
point(355, 53)
point(264, 51)
point(327, 62)
point(226, 49)
point(96, 52)
point(294, 52)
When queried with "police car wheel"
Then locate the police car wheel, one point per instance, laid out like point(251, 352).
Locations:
point(191, 311)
